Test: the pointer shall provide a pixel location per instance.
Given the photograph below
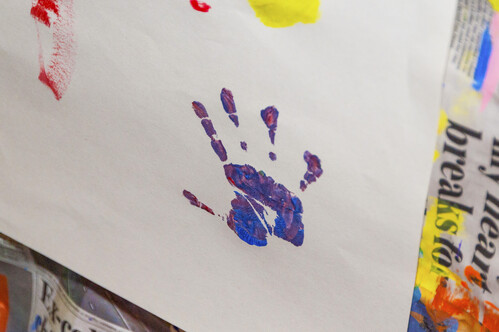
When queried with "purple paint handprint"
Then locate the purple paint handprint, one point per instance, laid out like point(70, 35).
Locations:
point(256, 190)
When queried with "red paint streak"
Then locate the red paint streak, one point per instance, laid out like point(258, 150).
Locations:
point(194, 201)
point(57, 16)
point(200, 6)
point(231, 181)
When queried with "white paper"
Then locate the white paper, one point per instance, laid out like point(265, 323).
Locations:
point(95, 179)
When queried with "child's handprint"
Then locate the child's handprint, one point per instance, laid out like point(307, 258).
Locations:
point(256, 189)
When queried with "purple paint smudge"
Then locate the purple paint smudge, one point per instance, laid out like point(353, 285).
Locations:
point(216, 144)
point(229, 105)
point(272, 156)
point(314, 170)
point(194, 201)
point(269, 116)
point(244, 146)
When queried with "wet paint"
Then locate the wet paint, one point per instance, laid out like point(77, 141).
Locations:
point(229, 105)
point(285, 13)
point(57, 16)
point(257, 193)
point(200, 6)
point(269, 116)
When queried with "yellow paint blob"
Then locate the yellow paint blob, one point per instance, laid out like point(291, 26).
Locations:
point(495, 4)
point(285, 13)
point(442, 122)
point(436, 154)
point(429, 272)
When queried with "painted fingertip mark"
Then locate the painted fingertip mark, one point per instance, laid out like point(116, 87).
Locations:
point(269, 117)
point(265, 191)
point(200, 6)
point(272, 156)
point(56, 15)
point(244, 145)
point(314, 170)
point(216, 144)
point(194, 201)
point(229, 105)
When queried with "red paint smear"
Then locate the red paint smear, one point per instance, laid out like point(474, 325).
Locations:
point(57, 72)
point(39, 10)
point(45, 80)
point(200, 6)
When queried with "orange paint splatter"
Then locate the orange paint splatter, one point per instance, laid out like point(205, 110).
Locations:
point(454, 303)
point(491, 317)
point(473, 276)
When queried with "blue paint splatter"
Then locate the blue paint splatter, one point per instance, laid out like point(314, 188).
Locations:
point(272, 156)
point(483, 60)
point(229, 105)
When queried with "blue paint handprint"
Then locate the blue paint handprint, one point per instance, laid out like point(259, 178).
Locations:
point(256, 190)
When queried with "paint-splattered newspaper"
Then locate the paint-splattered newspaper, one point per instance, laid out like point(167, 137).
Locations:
point(39, 295)
point(457, 281)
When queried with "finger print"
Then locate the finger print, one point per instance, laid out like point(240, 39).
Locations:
point(229, 105)
point(216, 144)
